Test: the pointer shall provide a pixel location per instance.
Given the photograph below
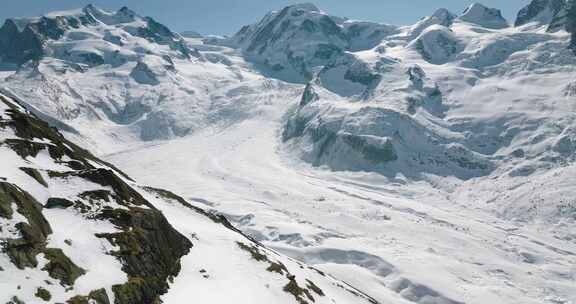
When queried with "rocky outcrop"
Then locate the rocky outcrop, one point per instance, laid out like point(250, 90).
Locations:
point(441, 17)
point(541, 12)
point(26, 39)
point(23, 251)
point(149, 248)
point(565, 19)
point(437, 44)
point(143, 74)
point(19, 47)
point(484, 16)
point(27, 127)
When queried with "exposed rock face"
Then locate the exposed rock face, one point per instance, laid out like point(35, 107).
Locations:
point(143, 74)
point(150, 250)
point(23, 251)
point(484, 16)
point(565, 19)
point(349, 76)
point(437, 44)
point(539, 11)
point(149, 247)
point(18, 45)
point(440, 17)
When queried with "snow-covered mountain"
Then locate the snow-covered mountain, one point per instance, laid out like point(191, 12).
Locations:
point(76, 229)
point(292, 42)
point(426, 163)
point(113, 69)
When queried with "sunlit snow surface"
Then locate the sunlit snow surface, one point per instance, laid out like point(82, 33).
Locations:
point(216, 262)
point(380, 233)
point(407, 232)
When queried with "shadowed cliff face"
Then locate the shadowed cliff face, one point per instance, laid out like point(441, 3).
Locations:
point(539, 11)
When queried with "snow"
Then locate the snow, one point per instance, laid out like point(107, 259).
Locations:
point(7, 227)
point(211, 267)
point(483, 16)
point(85, 250)
point(304, 212)
point(434, 236)
point(477, 206)
point(437, 44)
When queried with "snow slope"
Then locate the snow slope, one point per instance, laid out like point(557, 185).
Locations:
point(428, 163)
point(389, 236)
point(75, 229)
point(449, 138)
point(141, 82)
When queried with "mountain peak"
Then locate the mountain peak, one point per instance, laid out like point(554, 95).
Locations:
point(443, 16)
point(306, 6)
point(89, 6)
point(443, 13)
point(484, 16)
point(91, 9)
point(539, 11)
point(126, 11)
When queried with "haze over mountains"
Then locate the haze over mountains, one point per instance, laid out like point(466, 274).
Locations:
point(306, 159)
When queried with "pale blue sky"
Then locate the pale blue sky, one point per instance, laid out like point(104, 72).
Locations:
point(227, 16)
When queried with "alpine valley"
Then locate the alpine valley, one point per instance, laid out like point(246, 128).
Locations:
point(306, 159)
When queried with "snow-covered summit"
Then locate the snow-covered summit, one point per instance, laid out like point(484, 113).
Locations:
point(441, 16)
point(484, 16)
point(123, 15)
point(291, 42)
point(61, 34)
point(307, 6)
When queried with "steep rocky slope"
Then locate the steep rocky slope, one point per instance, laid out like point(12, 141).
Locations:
point(75, 229)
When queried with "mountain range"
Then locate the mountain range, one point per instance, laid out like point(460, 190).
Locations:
point(308, 158)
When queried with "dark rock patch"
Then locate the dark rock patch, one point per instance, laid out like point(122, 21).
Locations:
point(125, 194)
point(28, 127)
point(302, 295)
point(150, 252)
point(43, 294)
point(35, 175)
point(25, 148)
point(98, 296)
point(15, 300)
point(23, 251)
point(60, 267)
point(55, 202)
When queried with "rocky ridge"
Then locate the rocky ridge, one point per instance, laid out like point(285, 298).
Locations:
point(75, 229)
